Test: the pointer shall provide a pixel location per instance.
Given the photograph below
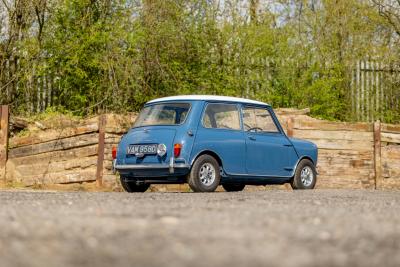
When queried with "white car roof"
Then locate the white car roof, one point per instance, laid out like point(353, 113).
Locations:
point(207, 97)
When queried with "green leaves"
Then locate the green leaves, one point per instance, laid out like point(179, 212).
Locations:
point(114, 55)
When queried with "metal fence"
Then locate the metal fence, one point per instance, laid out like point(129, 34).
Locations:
point(375, 90)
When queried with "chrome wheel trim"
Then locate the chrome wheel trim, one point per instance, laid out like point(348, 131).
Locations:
point(207, 174)
point(307, 176)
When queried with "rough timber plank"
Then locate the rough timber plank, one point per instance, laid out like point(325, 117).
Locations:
point(334, 170)
point(333, 155)
point(49, 135)
point(334, 135)
point(57, 156)
point(87, 175)
point(343, 144)
point(390, 137)
point(390, 128)
point(41, 168)
point(353, 163)
point(390, 172)
point(339, 182)
point(62, 144)
point(331, 126)
point(391, 162)
point(391, 152)
point(112, 140)
point(391, 183)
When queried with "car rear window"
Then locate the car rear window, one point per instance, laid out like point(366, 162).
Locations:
point(163, 114)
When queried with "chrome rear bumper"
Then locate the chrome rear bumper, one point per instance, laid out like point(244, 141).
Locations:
point(171, 166)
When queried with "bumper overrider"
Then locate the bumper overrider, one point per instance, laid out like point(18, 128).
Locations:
point(152, 170)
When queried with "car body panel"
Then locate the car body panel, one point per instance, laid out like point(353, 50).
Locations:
point(269, 154)
point(227, 144)
point(248, 157)
point(147, 135)
point(305, 149)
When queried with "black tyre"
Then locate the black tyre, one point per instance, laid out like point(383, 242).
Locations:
point(305, 176)
point(233, 187)
point(132, 187)
point(205, 174)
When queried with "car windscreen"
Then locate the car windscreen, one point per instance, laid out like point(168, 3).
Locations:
point(163, 114)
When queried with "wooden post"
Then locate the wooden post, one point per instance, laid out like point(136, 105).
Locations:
point(100, 150)
point(289, 128)
point(4, 115)
point(377, 155)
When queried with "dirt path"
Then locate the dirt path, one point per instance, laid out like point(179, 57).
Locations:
point(269, 228)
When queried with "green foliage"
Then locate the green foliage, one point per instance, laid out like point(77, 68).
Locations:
point(54, 111)
point(97, 56)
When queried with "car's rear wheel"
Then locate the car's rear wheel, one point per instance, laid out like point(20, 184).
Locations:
point(132, 187)
point(305, 176)
point(233, 187)
point(204, 175)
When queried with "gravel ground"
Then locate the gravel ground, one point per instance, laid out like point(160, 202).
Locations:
point(274, 228)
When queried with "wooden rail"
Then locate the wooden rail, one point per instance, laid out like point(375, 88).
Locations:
point(100, 152)
point(4, 115)
point(377, 154)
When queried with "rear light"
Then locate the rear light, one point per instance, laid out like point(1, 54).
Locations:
point(114, 152)
point(177, 150)
point(161, 150)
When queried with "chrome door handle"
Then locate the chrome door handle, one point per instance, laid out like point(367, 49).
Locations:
point(252, 137)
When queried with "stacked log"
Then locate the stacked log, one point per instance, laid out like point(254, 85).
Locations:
point(345, 151)
point(54, 156)
point(390, 156)
point(351, 155)
point(116, 126)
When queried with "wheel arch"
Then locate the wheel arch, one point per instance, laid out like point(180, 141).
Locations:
point(208, 152)
point(299, 160)
point(305, 157)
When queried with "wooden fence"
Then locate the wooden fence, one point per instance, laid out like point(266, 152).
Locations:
point(77, 153)
point(351, 155)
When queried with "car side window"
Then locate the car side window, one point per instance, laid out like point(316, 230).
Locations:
point(222, 116)
point(258, 120)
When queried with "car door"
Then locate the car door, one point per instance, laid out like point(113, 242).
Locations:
point(268, 150)
point(220, 132)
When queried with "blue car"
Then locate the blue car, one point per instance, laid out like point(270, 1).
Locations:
point(207, 141)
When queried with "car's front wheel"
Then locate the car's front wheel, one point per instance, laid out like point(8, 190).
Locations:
point(305, 176)
point(204, 175)
point(233, 187)
point(132, 187)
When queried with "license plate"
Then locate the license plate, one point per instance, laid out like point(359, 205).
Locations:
point(142, 149)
